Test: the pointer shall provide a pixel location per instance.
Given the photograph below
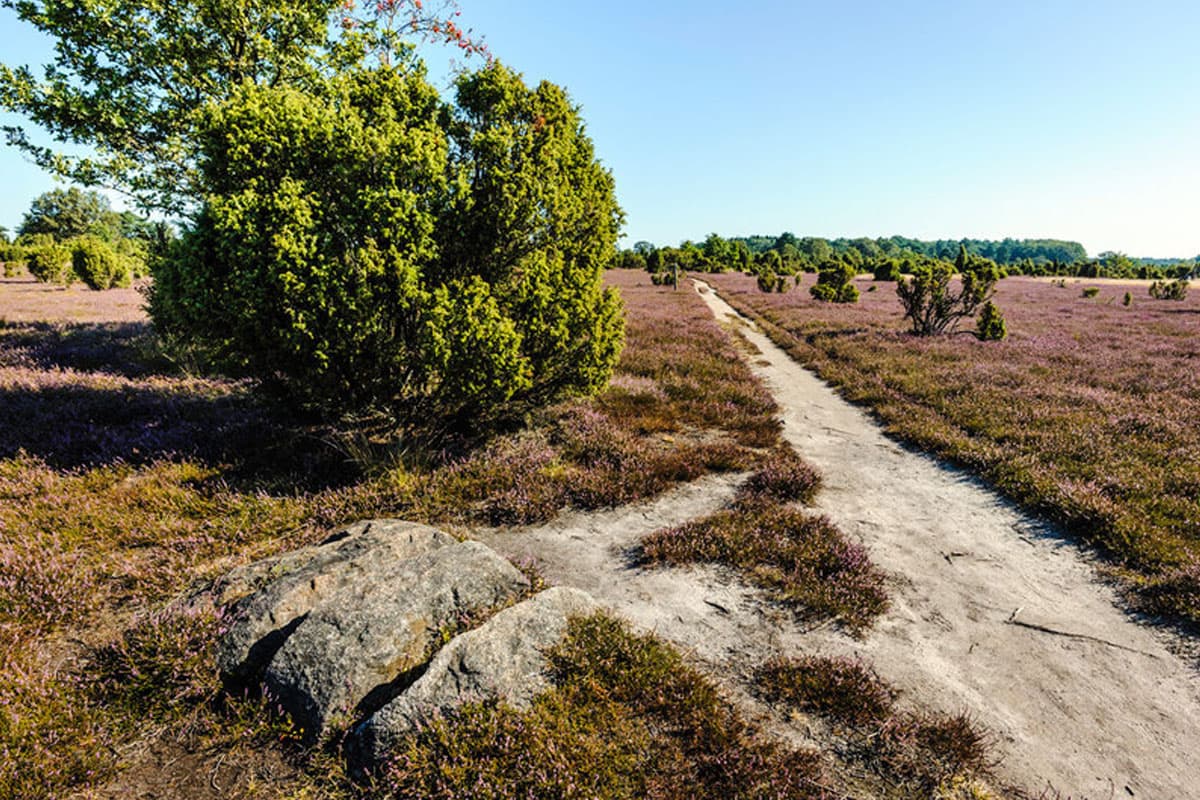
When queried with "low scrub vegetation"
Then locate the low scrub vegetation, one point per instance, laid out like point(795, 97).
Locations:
point(627, 719)
point(800, 558)
point(915, 754)
point(124, 481)
point(1086, 413)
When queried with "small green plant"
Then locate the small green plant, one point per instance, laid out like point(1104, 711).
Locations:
point(49, 261)
point(1091, 291)
point(933, 306)
point(990, 327)
point(1127, 300)
point(97, 264)
point(1169, 290)
point(887, 270)
point(836, 284)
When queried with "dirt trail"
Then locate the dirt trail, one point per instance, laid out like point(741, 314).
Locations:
point(992, 613)
point(1103, 712)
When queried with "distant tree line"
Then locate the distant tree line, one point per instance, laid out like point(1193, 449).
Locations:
point(887, 258)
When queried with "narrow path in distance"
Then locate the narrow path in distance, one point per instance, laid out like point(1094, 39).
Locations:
point(992, 612)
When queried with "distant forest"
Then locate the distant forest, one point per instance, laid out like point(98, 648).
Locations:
point(790, 254)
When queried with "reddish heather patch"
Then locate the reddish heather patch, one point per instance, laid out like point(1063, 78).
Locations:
point(23, 299)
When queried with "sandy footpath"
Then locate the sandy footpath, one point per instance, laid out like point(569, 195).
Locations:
point(992, 613)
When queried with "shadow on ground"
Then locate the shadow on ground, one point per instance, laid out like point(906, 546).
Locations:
point(80, 396)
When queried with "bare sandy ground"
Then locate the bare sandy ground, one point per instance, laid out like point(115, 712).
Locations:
point(992, 612)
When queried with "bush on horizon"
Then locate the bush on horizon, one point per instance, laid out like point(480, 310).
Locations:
point(365, 247)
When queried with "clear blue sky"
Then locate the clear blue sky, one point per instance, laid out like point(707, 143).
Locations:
point(1067, 119)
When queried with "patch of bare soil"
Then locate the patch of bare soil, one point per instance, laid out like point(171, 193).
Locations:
point(993, 612)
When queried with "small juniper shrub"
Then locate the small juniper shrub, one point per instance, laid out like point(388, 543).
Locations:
point(836, 284)
point(1127, 300)
point(1169, 290)
point(802, 559)
point(627, 718)
point(990, 327)
point(1091, 291)
point(842, 689)
point(767, 280)
point(783, 477)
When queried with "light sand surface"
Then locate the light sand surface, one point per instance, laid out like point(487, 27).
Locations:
point(1099, 708)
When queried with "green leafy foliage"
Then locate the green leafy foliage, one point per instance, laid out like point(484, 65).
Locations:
point(97, 264)
point(991, 326)
point(48, 260)
point(933, 306)
point(835, 283)
point(1169, 290)
point(366, 248)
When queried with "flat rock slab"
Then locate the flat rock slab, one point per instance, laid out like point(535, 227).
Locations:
point(504, 659)
point(376, 629)
point(274, 594)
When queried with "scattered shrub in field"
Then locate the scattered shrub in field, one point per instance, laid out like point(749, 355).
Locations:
point(49, 261)
point(843, 689)
point(669, 278)
point(990, 327)
point(932, 306)
point(369, 249)
point(887, 269)
point(802, 559)
point(1127, 300)
point(627, 718)
point(836, 284)
point(12, 256)
point(1091, 291)
point(768, 281)
point(97, 264)
point(1169, 290)
point(784, 477)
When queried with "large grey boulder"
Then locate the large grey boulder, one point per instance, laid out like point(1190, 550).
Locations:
point(366, 637)
point(274, 594)
point(502, 659)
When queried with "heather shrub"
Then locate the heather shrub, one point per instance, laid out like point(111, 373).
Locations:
point(98, 264)
point(627, 718)
point(1169, 290)
point(362, 247)
point(843, 689)
point(802, 559)
point(990, 327)
point(162, 664)
point(784, 477)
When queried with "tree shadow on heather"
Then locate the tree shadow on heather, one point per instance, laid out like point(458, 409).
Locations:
point(120, 348)
point(82, 396)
